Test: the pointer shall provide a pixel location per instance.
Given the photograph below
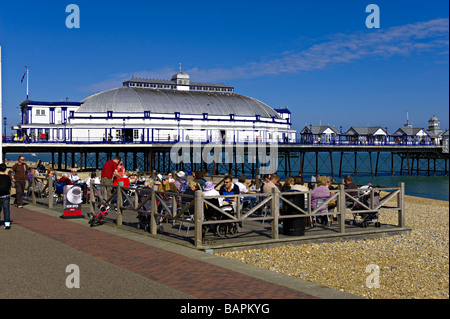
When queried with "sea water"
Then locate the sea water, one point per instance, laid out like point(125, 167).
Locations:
point(434, 187)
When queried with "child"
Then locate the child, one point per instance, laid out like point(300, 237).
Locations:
point(5, 188)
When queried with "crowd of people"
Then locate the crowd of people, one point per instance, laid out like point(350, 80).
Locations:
point(114, 172)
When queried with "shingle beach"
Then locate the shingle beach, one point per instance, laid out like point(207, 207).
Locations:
point(409, 266)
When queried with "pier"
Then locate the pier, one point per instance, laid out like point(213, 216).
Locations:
point(293, 158)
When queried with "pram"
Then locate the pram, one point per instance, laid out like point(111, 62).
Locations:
point(98, 218)
point(144, 213)
point(365, 218)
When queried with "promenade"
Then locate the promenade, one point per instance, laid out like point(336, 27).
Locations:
point(116, 263)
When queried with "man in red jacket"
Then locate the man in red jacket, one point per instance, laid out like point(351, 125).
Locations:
point(108, 171)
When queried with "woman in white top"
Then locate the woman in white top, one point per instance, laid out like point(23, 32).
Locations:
point(209, 190)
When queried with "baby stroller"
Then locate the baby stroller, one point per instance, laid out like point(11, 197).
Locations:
point(366, 218)
point(144, 214)
point(98, 218)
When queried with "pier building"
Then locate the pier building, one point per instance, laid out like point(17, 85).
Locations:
point(151, 111)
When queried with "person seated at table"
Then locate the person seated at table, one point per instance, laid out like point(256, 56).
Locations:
point(287, 184)
point(209, 190)
point(133, 179)
point(51, 174)
point(243, 185)
point(88, 182)
point(181, 183)
point(315, 197)
point(265, 179)
point(31, 173)
point(349, 184)
point(74, 177)
point(125, 180)
point(228, 188)
point(193, 186)
point(299, 184)
point(166, 186)
point(272, 183)
point(198, 177)
point(59, 185)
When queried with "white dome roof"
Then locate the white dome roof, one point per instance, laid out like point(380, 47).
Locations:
point(137, 100)
point(180, 75)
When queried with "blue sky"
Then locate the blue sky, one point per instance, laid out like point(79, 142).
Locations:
point(316, 57)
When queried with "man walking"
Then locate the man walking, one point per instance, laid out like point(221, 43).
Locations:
point(5, 189)
point(19, 175)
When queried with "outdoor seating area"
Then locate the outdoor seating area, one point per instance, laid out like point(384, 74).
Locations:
point(200, 221)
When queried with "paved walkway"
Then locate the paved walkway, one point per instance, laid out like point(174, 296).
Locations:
point(116, 263)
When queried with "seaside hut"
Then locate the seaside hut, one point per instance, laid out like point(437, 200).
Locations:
point(412, 136)
point(367, 135)
point(157, 111)
point(319, 135)
point(445, 140)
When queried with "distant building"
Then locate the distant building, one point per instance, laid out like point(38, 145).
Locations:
point(368, 135)
point(152, 111)
point(319, 134)
point(445, 142)
point(409, 135)
point(434, 130)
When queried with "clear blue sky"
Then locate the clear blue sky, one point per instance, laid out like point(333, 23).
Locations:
point(316, 57)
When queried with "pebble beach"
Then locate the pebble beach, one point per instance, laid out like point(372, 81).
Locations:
point(414, 266)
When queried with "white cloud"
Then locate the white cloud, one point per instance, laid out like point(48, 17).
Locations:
point(420, 37)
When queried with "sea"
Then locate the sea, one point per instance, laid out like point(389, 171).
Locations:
point(434, 187)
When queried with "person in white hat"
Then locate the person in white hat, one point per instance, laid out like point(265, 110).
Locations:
point(181, 182)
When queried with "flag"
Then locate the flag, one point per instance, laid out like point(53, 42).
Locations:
point(21, 81)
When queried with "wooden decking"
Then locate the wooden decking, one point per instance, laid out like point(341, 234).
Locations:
point(257, 230)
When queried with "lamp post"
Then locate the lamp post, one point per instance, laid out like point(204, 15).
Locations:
point(4, 126)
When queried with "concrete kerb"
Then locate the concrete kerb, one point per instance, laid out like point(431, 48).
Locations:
point(209, 257)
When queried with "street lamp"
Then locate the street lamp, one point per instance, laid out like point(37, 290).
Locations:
point(4, 126)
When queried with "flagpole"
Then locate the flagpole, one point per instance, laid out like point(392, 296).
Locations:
point(27, 82)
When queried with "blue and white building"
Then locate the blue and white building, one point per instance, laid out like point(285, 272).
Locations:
point(157, 111)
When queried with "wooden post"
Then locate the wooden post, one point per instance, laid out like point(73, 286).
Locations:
point(275, 211)
point(258, 182)
point(401, 205)
point(341, 209)
point(50, 192)
point(154, 211)
point(92, 198)
point(119, 204)
point(198, 218)
point(33, 186)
